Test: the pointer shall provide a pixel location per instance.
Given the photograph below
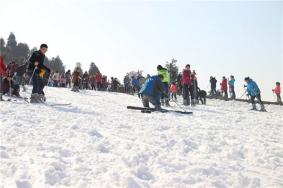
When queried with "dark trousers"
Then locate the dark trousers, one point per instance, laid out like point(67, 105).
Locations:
point(166, 87)
point(38, 84)
point(149, 99)
point(278, 98)
point(174, 95)
point(258, 97)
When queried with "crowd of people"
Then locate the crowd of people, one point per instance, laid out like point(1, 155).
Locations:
point(158, 89)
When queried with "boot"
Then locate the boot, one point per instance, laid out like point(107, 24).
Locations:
point(167, 102)
point(162, 102)
point(41, 98)
point(185, 102)
point(34, 98)
point(262, 109)
point(254, 107)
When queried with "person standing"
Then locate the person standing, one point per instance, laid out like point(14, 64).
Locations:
point(213, 83)
point(277, 91)
point(186, 82)
point(37, 70)
point(166, 79)
point(224, 88)
point(231, 84)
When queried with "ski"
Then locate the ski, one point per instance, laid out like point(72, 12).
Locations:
point(149, 110)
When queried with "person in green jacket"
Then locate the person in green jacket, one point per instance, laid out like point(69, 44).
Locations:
point(166, 80)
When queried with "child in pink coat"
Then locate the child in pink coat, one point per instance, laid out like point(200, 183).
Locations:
point(277, 91)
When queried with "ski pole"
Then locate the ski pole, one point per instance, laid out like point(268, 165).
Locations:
point(180, 106)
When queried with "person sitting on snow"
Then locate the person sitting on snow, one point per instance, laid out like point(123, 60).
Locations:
point(254, 91)
point(152, 90)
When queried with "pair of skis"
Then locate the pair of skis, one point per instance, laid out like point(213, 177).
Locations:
point(150, 110)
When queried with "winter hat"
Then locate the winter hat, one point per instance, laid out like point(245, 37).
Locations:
point(247, 78)
point(159, 67)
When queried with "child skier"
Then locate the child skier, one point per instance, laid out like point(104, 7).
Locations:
point(224, 87)
point(231, 84)
point(174, 90)
point(152, 90)
point(277, 91)
point(254, 91)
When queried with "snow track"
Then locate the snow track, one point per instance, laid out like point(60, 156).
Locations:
point(97, 142)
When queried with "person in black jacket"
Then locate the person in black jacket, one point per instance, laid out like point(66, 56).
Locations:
point(213, 82)
point(38, 70)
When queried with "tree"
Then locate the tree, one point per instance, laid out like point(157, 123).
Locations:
point(173, 69)
point(11, 42)
point(93, 69)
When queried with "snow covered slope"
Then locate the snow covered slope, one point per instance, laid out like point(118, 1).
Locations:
point(97, 142)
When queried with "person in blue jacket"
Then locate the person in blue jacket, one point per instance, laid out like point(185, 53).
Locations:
point(231, 84)
point(152, 90)
point(254, 91)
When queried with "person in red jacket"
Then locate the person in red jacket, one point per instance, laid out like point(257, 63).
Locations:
point(2, 74)
point(224, 87)
point(277, 91)
point(186, 82)
point(98, 79)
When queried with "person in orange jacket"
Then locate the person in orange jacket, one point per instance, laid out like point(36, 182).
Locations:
point(277, 91)
point(174, 90)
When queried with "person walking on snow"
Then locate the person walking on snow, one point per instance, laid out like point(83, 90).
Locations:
point(254, 92)
point(213, 83)
point(152, 90)
point(37, 70)
point(224, 87)
point(231, 84)
point(166, 79)
point(277, 91)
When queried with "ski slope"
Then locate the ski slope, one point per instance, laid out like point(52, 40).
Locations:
point(97, 143)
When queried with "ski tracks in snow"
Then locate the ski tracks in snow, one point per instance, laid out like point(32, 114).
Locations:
point(97, 142)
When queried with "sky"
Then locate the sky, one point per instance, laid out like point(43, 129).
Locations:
point(218, 38)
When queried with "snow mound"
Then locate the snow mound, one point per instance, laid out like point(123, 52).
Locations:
point(97, 142)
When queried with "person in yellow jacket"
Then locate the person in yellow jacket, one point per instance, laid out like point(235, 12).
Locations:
point(166, 80)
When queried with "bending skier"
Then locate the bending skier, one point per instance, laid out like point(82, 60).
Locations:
point(254, 91)
point(152, 90)
point(37, 70)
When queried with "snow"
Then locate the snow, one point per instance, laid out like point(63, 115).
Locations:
point(97, 142)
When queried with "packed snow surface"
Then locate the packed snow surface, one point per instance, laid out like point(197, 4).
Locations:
point(97, 142)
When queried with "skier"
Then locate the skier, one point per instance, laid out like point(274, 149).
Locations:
point(254, 91)
point(173, 90)
point(277, 91)
point(76, 79)
point(37, 70)
point(231, 84)
point(92, 82)
point(68, 78)
point(135, 85)
point(193, 89)
point(166, 79)
point(152, 90)
point(98, 80)
point(8, 84)
point(224, 88)
point(213, 83)
point(186, 81)
point(85, 80)
point(2, 75)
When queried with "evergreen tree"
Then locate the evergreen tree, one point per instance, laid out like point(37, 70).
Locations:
point(173, 69)
point(93, 69)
